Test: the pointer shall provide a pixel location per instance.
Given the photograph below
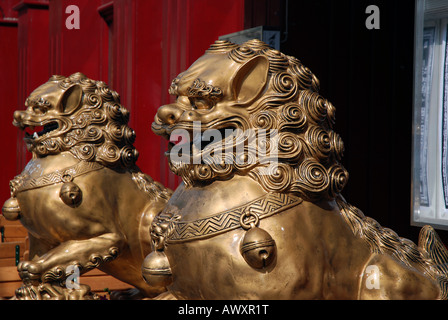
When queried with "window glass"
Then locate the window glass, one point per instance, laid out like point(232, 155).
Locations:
point(430, 158)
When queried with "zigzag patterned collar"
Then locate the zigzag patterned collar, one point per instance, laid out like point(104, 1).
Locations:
point(23, 182)
point(168, 229)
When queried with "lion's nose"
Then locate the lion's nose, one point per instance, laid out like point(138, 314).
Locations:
point(18, 118)
point(169, 113)
point(18, 115)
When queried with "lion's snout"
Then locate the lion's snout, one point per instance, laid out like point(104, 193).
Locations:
point(18, 118)
point(169, 114)
point(23, 118)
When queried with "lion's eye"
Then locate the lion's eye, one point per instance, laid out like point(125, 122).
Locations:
point(199, 103)
point(39, 109)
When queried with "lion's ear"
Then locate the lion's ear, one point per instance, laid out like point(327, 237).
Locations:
point(250, 79)
point(70, 99)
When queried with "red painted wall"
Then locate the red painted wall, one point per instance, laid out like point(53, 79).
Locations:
point(33, 62)
point(136, 46)
point(9, 99)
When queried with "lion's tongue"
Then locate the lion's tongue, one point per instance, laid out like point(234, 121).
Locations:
point(179, 138)
point(33, 131)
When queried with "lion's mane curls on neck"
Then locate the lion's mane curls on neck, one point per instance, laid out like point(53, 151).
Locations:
point(309, 150)
point(98, 130)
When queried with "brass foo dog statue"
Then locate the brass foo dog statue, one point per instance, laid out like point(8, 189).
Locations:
point(241, 226)
point(82, 198)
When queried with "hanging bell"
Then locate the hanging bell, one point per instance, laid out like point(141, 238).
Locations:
point(156, 269)
point(257, 247)
point(11, 209)
point(71, 194)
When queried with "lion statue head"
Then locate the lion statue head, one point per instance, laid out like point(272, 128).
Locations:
point(78, 115)
point(253, 97)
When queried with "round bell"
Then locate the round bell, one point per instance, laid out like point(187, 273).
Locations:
point(70, 194)
point(11, 209)
point(258, 248)
point(156, 269)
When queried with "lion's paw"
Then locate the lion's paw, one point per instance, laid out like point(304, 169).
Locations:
point(29, 270)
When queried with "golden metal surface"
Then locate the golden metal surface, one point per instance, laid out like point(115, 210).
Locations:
point(81, 197)
point(260, 217)
point(254, 230)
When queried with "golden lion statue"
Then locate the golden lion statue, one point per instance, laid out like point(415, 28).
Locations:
point(246, 224)
point(81, 197)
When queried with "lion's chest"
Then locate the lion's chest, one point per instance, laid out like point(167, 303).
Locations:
point(317, 257)
point(46, 216)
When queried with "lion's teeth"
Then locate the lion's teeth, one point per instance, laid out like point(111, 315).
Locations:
point(35, 136)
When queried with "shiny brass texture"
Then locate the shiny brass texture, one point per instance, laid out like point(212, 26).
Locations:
point(325, 247)
point(156, 269)
point(258, 248)
point(81, 197)
point(11, 209)
point(167, 228)
point(71, 194)
point(48, 291)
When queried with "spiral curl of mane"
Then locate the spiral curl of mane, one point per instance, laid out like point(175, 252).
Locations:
point(98, 130)
point(309, 150)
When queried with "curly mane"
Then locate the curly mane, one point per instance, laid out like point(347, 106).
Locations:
point(98, 130)
point(309, 150)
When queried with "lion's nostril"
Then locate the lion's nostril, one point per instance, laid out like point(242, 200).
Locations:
point(169, 118)
point(169, 114)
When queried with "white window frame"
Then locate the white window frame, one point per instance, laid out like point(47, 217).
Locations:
point(430, 116)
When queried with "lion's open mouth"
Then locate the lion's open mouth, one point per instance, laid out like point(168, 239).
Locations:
point(191, 142)
point(35, 132)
